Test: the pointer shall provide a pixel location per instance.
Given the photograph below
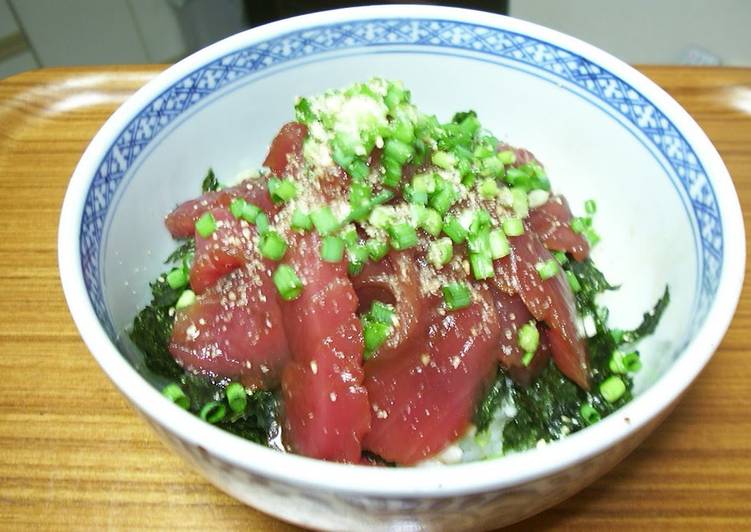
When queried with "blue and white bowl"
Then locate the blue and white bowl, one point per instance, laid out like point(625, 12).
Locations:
point(667, 210)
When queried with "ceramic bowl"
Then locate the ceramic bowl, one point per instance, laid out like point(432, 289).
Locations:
point(667, 210)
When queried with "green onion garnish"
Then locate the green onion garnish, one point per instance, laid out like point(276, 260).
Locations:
point(287, 282)
point(377, 249)
point(262, 223)
point(612, 389)
point(272, 245)
point(454, 230)
point(443, 159)
point(213, 412)
point(561, 257)
point(403, 236)
point(482, 266)
point(236, 207)
point(488, 188)
point(589, 414)
point(250, 212)
point(573, 282)
point(301, 221)
point(507, 157)
point(282, 190)
point(513, 227)
point(206, 225)
point(499, 246)
point(632, 362)
point(527, 358)
point(590, 206)
point(457, 296)
point(440, 252)
point(431, 222)
point(174, 393)
point(528, 337)
point(332, 248)
point(624, 363)
point(186, 299)
point(443, 198)
point(324, 220)
point(547, 269)
point(236, 397)
point(374, 335)
point(357, 255)
point(177, 278)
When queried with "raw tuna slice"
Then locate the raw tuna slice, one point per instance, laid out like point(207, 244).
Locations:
point(550, 301)
point(326, 407)
point(552, 223)
point(181, 221)
point(395, 280)
point(424, 399)
point(234, 330)
point(226, 249)
point(285, 152)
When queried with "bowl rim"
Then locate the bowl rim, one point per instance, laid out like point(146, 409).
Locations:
point(357, 480)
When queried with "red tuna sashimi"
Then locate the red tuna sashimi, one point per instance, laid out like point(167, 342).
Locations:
point(234, 330)
point(326, 407)
point(181, 221)
point(395, 280)
point(504, 276)
point(552, 223)
point(226, 249)
point(424, 399)
point(551, 301)
point(285, 152)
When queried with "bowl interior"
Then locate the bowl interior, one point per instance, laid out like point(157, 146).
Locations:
point(645, 212)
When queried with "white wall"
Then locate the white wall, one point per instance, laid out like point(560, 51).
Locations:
point(651, 31)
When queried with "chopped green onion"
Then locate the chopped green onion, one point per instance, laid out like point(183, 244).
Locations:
point(507, 157)
point(457, 296)
point(520, 202)
point(374, 335)
point(324, 220)
point(272, 245)
point(394, 96)
point(513, 227)
point(377, 249)
point(236, 207)
point(479, 242)
point(454, 230)
point(579, 225)
point(206, 225)
point(392, 172)
point(589, 414)
point(443, 198)
point(332, 249)
point(358, 169)
point(480, 221)
point(177, 278)
point(482, 266)
point(262, 223)
point(287, 282)
point(488, 188)
point(632, 362)
point(357, 255)
point(403, 236)
point(381, 216)
point(404, 131)
point(250, 212)
point(590, 206)
point(186, 299)
point(527, 358)
point(424, 183)
point(301, 221)
point(236, 397)
point(573, 282)
point(561, 257)
point(282, 190)
point(174, 393)
point(440, 252)
point(547, 269)
point(349, 235)
point(397, 151)
point(381, 312)
point(499, 245)
point(443, 159)
point(417, 197)
point(592, 237)
point(431, 222)
point(213, 412)
point(612, 389)
point(528, 337)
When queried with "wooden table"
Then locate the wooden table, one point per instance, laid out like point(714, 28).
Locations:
point(74, 455)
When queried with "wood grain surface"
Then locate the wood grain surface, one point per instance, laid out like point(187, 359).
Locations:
point(73, 454)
